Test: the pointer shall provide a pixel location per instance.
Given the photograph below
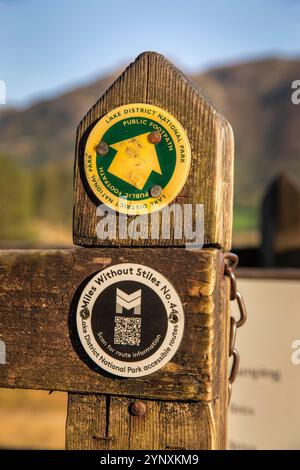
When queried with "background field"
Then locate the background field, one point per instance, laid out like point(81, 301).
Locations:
point(32, 419)
point(37, 148)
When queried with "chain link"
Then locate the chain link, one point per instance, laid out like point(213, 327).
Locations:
point(231, 262)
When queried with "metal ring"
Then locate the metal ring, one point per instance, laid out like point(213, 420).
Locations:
point(233, 289)
point(232, 335)
point(235, 366)
point(242, 310)
point(233, 258)
point(231, 261)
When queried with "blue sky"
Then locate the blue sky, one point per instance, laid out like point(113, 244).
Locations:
point(49, 46)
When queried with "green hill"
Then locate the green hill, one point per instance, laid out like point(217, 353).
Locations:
point(37, 143)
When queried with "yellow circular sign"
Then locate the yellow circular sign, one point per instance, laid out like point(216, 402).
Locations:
point(137, 158)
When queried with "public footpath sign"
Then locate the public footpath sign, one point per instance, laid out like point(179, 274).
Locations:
point(137, 158)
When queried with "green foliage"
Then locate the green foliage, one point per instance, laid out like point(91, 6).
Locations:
point(15, 200)
point(52, 193)
point(245, 219)
point(41, 193)
point(45, 193)
point(252, 96)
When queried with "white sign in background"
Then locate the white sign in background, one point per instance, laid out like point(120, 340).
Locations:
point(265, 405)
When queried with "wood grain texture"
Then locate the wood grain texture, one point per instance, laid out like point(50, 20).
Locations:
point(154, 80)
point(38, 293)
point(96, 422)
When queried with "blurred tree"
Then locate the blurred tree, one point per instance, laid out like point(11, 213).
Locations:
point(15, 200)
point(52, 193)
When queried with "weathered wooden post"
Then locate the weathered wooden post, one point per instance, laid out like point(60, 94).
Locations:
point(134, 325)
point(186, 400)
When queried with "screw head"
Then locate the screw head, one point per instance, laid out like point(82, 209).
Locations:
point(155, 191)
point(154, 137)
point(138, 408)
point(84, 313)
point(173, 318)
point(102, 148)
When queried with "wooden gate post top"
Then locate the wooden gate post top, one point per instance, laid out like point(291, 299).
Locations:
point(153, 80)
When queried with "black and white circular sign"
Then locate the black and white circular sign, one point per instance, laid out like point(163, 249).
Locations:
point(130, 320)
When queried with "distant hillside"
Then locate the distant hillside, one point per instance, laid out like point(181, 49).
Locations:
point(254, 96)
point(45, 132)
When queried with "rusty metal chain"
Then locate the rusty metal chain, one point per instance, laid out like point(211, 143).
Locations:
point(231, 262)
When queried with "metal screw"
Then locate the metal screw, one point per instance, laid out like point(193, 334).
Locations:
point(154, 137)
point(155, 191)
point(173, 318)
point(84, 313)
point(102, 148)
point(138, 408)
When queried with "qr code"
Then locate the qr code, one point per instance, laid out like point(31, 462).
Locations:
point(127, 331)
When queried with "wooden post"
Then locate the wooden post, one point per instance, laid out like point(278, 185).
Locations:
point(184, 403)
point(154, 80)
point(280, 221)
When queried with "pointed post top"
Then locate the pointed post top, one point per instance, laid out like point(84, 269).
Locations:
point(194, 164)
